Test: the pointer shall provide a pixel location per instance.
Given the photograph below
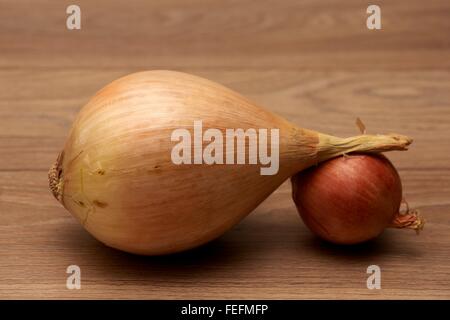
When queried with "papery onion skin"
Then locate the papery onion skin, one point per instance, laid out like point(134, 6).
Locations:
point(348, 200)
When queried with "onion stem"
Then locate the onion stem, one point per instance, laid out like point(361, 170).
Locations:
point(330, 146)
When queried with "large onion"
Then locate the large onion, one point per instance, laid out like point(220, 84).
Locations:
point(352, 199)
point(116, 176)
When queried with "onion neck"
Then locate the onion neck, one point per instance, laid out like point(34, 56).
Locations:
point(330, 146)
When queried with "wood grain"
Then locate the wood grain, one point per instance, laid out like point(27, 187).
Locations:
point(313, 62)
point(202, 34)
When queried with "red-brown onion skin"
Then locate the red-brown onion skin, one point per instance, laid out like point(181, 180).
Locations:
point(348, 200)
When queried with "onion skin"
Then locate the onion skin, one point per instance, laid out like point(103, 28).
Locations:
point(352, 199)
point(115, 173)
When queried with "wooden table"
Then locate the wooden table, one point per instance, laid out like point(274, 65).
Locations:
point(313, 62)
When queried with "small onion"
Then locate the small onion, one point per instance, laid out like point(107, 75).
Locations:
point(352, 199)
